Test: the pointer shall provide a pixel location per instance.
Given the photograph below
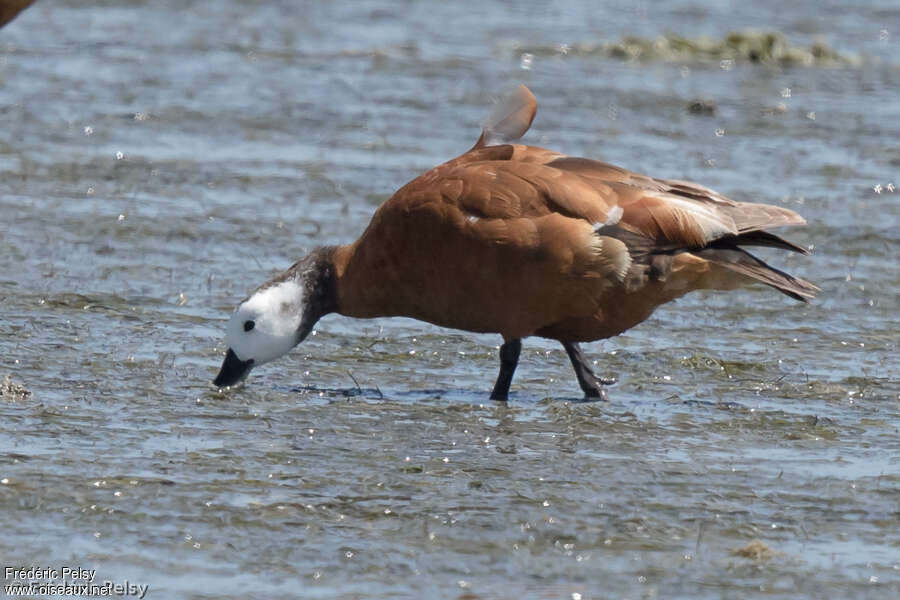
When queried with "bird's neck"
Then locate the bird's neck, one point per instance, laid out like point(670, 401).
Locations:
point(363, 287)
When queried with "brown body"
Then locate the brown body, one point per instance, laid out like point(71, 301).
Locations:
point(523, 241)
point(510, 239)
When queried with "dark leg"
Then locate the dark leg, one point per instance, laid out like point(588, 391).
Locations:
point(509, 358)
point(590, 383)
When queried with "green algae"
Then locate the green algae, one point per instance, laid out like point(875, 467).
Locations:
point(746, 46)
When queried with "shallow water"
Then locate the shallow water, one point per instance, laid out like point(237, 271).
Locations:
point(157, 168)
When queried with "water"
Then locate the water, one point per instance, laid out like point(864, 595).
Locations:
point(160, 160)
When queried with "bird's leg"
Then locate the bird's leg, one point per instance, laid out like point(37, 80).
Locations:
point(509, 358)
point(590, 383)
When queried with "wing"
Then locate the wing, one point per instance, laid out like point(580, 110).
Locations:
point(681, 213)
point(514, 181)
point(661, 218)
point(634, 219)
point(520, 181)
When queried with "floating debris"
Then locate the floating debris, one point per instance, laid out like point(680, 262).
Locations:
point(12, 391)
point(779, 109)
point(756, 550)
point(702, 106)
point(738, 46)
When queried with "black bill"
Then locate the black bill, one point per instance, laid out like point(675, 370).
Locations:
point(233, 370)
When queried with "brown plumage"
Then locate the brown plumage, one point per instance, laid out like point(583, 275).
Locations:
point(523, 241)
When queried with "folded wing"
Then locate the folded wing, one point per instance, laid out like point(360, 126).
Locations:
point(651, 217)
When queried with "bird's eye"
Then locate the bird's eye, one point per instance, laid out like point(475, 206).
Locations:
point(248, 325)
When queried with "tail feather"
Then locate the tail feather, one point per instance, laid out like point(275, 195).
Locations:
point(741, 261)
point(758, 238)
point(509, 120)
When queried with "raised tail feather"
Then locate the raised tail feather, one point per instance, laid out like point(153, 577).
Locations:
point(741, 261)
point(510, 119)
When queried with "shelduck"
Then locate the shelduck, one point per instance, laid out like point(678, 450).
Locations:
point(520, 241)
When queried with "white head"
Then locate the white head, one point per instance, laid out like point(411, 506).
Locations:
point(278, 316)
point(265, 325)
